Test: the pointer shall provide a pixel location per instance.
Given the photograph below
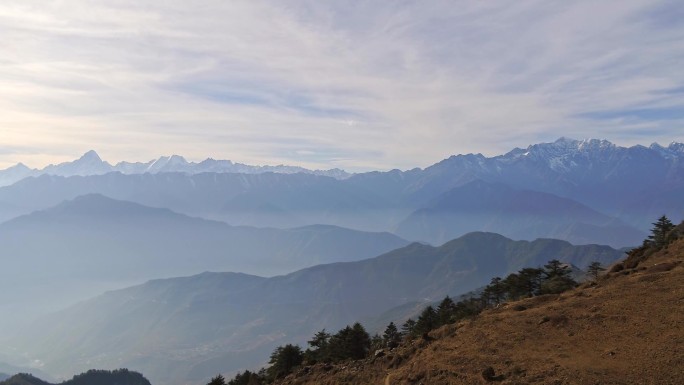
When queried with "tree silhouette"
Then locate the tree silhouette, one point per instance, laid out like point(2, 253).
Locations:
point(426, 321)
point(556, 278)
point(218, 380)
point(495, 291)
point(408, 328)
point(319, 348)
point(246, 378)
point(595, 269)
point(445, 311)
point(351, 342)
point(283, 360)
point(660, 232)
point(391, 336)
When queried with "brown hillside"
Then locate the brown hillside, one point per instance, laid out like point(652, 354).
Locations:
point(627, 329)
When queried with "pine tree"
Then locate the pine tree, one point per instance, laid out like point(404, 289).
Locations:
point(319, 348)
point(284, 359)
point(445, 311)
point(555, 268)
point(557, 278)
point(595, 269)
point(525, 283)
point(360, 342)
point(391, 336)
point(218, 380)
point(408, 328)
point(351, 342)
point(246, 378)
point(376, 342)
point(494, 292)
point(660, 232)
point(426, 321)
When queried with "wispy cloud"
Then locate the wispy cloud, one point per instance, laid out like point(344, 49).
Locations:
point(280, 82)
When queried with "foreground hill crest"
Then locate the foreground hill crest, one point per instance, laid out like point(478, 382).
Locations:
point(624, 328)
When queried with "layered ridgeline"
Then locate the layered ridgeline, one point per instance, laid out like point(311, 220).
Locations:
point(621, 185)
point(620, 327)
point(188, 329)
point(518, 214)
point(82, 247)
point(91, 377)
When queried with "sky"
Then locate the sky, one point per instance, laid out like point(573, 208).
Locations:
point(359, 85)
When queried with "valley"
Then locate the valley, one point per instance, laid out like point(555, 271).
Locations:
point(205, 272)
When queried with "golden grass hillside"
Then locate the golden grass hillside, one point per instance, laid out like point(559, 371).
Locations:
point(628, 328)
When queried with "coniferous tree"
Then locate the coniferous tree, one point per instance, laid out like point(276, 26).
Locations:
point(531, 280)
point(445, 311)
point(376, 343)
point(284, 359)
point(391, 336)
point(319, 350)
point(595, 269)
point(556, 268)
point(660, 232)
point(426, 321)
point(351, 342)
point(360, 342)
point(218, 380)
point(246, 378)
point(557, 278)
point(408, 328)
point(495, 292)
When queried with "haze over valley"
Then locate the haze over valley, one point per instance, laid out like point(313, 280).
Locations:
point(259, 192)
point(269, 258)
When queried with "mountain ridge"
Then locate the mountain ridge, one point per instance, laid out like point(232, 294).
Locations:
point(624, 327)
point(90, 163)
point(520, 214)
point(190, 326)
point(93, 243)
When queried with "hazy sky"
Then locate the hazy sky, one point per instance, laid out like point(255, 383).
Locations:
point(352, 84)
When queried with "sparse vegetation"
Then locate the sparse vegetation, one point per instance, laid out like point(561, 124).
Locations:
point(353, 342)
point(662, 234)
point(595, 269)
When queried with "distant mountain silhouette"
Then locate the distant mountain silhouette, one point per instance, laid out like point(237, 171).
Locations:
point(92, 243)
point(634, 185)
point(519, 214)
point(264, 200)
point(187, 329)
point(91, 164)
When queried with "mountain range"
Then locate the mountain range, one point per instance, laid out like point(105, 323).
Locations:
point(605, 193)
point(91, 164)
point(187, 329)
point(518, 214)
point(93, 243)
point(293, 251)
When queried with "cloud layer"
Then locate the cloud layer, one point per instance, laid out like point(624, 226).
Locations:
point(357, 85)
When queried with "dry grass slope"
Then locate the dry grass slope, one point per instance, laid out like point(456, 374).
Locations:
point(626, 329)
